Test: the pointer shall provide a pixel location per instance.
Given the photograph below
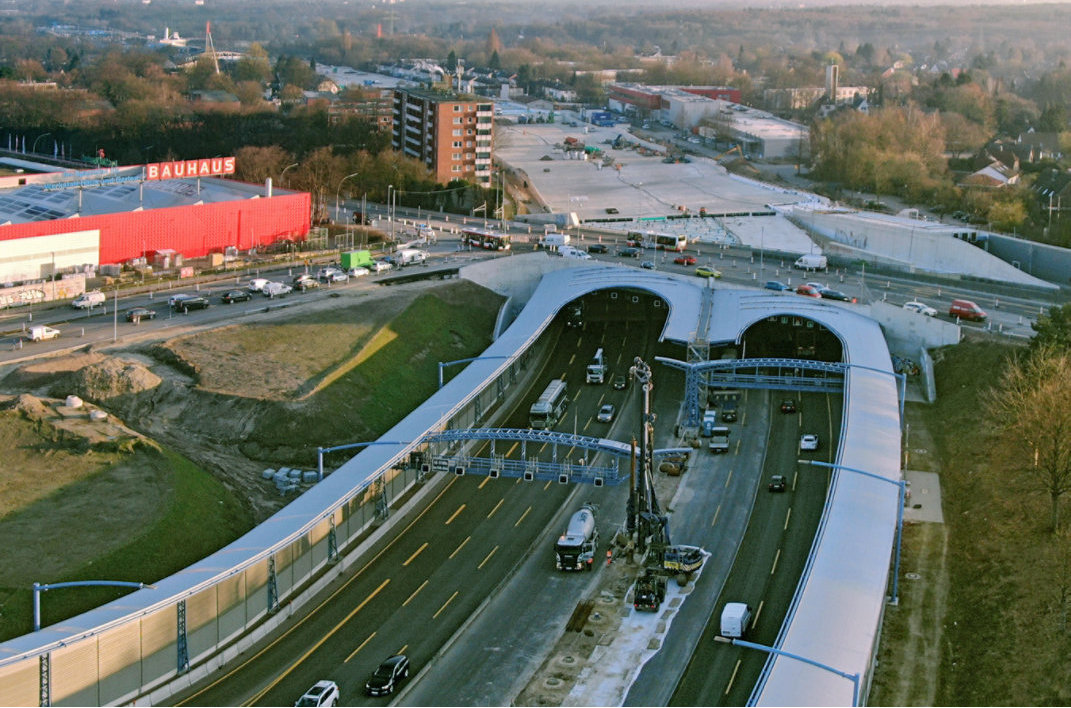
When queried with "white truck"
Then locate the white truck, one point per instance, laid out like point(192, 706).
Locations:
point(554, 240)
point(40, 333)
point(571, 252)
point(87, 301)
point(410, 256)
point(735, 618)
point(597, 368)
point(575, 549)
point(811, 261)
point(719, 440)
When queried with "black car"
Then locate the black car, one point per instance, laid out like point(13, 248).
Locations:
point(388, 675)
point(620, 383)
point(788, 405)
point(193, 303)
point(831, 294)
point(778, 483)
point(236, 296)
point(138, 314)
point(598, 248)
point(630, 252)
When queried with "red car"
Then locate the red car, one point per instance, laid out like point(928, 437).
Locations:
point(685, 260)
point(808, 290)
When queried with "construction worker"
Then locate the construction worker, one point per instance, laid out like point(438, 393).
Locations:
point(609, 556)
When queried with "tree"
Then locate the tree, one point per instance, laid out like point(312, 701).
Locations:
point(1031, 403)
point(1053, 329)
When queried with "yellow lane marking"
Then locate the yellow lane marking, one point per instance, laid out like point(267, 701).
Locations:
point(359, 647)
point(317, 645)
point(416, 553)
point(716, 512)
point(522, 517)
point(795, 476)
point(776, 558)
point(787, 517)
point(323, 604)
point(486, 558)
point(732, 678)
point(547, 485)
point(729, 478)
point(410, 598)
point(572, 359)
point(485, 481)
point(402, 650)
point(512, 448)
point(500, 501)
point(454, 515)
point(467, 539)
point(440, 610)
point(755, 619)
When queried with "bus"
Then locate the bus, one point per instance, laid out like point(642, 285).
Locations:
point(483, 238)
point(549, 407)
point(670, 242)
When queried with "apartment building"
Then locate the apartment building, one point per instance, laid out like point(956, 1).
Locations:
point(451, 133)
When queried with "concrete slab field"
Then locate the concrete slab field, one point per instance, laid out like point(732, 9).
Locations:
point(643, 186)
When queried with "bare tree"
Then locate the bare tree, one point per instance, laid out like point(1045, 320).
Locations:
point(1033, 402)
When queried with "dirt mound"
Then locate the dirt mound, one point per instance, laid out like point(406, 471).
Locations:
point(110, 378)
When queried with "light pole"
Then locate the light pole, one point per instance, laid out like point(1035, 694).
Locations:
point(283, 173)
point(38, 588)
point(854, 678)
point(899, 484)
point(391, 194)
point(339, 189)
point(33, 148)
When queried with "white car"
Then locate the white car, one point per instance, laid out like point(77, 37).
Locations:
point(921, 308)
point(327, 273)
point(324, 693)
point(338, 277)
point(606, 413)
point(358, 271)
point(256, 285)
point(274, 289)
point(809, 442)
point(380, 266)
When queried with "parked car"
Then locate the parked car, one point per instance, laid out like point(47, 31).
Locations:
point(684, 260)
point(598, 248)
point(323, 693)
point(357, 271)
point(256, 285)
point(338, 277)
point(308, 283)
point(606, 413)
point(776, 285)
point(788, 405)
point(137, 314)
point(326, 272)
point(380, 266)
point(647, 265)
point(921, 308)
point(807, 290)
point(388, 675)
point(808, 442)
point(236, 296)
point(707, 272)
point(778, 483)
point(831, 294)
point(620, 383)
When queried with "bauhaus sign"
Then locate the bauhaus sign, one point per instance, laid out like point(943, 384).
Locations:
point(207, 167)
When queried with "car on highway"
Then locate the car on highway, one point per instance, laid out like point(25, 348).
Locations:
point(807, 290)
point(831, 294)
point(386, 678)
point(175, 301)
point(236, 296)
point(921, 308)
point(357, 271)
point(380, 266)
point(630, 252)
point(256, 285)
point(620, 383)
point(137, 314)
point(338, 277)
point(304, 284)
point(778, 483)
point(707, 272)
point(647, 265)
point(685, 260)
point(776, 285)
point(193, 303)
point(606, 413)
point(598, 248)
point(808, 441)
point(817, 286)
point(323, 693)
point(788, 405)
point(326, 273)
point(274, 289)
point(966, 310)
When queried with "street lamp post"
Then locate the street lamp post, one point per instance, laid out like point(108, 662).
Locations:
point(392, 193)
point(854, 678)
point(339, 189)
point(283, 173)
point(38, 588)
point(33, 148)
point(901, 485)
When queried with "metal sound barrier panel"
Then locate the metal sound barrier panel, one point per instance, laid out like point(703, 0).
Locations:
point(159, 632)
point(74, 674)
point(120, 663)
point(18, 684)
point(202, 629)
point(230, 601)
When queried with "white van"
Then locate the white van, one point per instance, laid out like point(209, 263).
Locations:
point(734, 619)
point(811, 261)
point(570, 252)
point(256, 285)
point(87, 301)
point(410, 256)
point(554, 240)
